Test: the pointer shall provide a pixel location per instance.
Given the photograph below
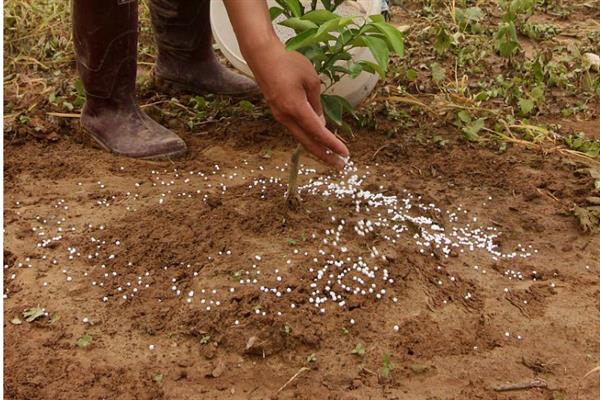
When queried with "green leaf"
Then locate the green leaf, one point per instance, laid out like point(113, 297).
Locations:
point(340, 70)
point(332, 108)
point(380, 51)
point(377, 18)
point(439, 140)
point(438, 73)
point(335, 107)
point(275, 12)
point(443, 40)
point(372, 68)
point(205, 339)
point(199, 103)
point(507, 49)
point(16, 321)
point(343, 55)
point(411, 75)
point(78, 102)
point(294, 6)
point(473, 14)
point(312, 358)
point(359, 350)
point(538, 70)
point(266, 153)
point(332, 25)
point(537, 93)
point(393, 36)
point(347, 107)
point(468, 17)
point(79, 89)
point(344, 37)
point(158, 377)
point(464, 116)
point(297, 41)
point(355, 70)
point(335, 58)
point(329, 26)
point(471, 131)
point(315, 54)
point(506, 39)
point(84, 341)
point(593, 151)
point(298, 25)
point(388, 365)
point(319, 16)
point(31, 314)
point(307, 38)
point(482, 96)
point(526, 105)
point(246, 105)
point(24, 119)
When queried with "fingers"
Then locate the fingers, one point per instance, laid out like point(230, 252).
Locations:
point(313, 94)
point(314, 147)
point(322, 118)
point(310, 130)
point(312, 125)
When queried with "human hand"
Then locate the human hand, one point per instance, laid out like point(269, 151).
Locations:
point(292, 90)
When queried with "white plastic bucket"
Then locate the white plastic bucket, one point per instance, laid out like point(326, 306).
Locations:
point(354, 90)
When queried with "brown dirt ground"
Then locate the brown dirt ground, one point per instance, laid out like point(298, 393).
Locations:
point(446, 347)
point(453, 351)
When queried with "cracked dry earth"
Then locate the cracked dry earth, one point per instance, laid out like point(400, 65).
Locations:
point(194, 280)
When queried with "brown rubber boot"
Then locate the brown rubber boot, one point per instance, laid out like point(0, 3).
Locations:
point(105, 36)
point(186, 61)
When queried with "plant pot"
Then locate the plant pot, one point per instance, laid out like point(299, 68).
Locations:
point(354, 90)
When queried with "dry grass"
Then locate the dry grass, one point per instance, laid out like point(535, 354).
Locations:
point(41, 84)
point(39, 60)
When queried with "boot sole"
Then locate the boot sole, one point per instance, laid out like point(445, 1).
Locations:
point(173, 87)
point(158, 157)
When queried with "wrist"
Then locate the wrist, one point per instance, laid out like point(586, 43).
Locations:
point(258, 49)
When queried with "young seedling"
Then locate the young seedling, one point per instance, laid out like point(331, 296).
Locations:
point(84, 341)
point(327, 39)
point(31, 314)
point(359, 350)
point(388, 366)
point(292, 196)
point(507, 42)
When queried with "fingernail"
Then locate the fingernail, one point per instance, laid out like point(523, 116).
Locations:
point(344, 159)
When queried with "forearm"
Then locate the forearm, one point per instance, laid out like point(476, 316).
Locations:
point(252, 25)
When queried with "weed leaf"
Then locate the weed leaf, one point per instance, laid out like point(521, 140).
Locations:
point(31, 314)
point(84, 341)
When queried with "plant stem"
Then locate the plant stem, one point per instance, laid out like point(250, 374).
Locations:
point(292, 192)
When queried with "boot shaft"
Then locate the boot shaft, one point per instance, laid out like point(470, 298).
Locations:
point(182, 29)
point(105, 34)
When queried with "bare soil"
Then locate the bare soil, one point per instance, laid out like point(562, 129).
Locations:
point(446, 347)
point(84, 228)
